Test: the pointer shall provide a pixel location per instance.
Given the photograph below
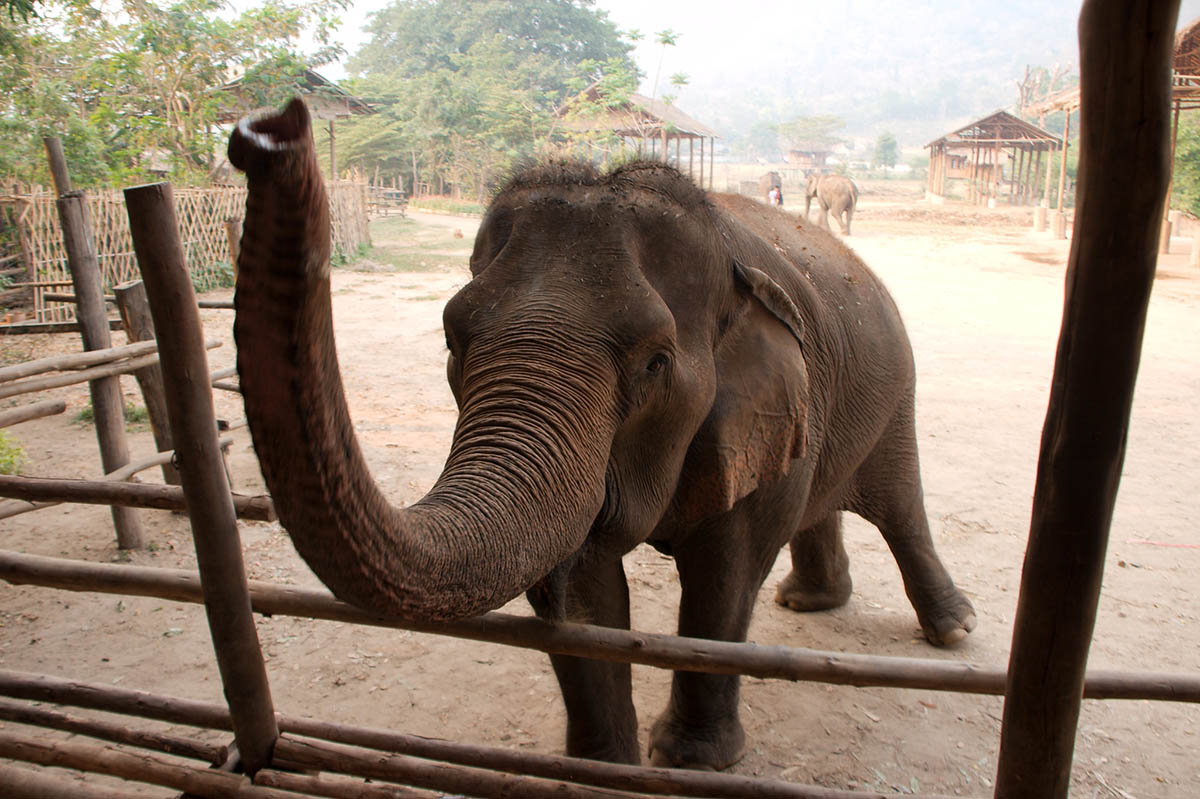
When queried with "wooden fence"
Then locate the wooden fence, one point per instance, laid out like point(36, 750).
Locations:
point(202, 215)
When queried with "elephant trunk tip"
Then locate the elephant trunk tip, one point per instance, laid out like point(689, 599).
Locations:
point(255, 135)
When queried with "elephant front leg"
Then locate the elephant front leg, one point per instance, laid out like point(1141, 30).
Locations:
point(601, 720)
point(700, 728)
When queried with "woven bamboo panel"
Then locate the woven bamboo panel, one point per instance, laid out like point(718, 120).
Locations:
point(201, 213)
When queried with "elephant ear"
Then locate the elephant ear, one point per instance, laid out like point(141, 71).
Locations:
point(759, 421)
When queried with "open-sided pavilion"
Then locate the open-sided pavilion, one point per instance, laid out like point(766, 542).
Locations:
point(978, 151)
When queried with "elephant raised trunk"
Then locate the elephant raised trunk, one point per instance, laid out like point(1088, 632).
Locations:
point(483, 534)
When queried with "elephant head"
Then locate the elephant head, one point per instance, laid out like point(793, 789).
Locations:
point(583, 355)
point(810, 190)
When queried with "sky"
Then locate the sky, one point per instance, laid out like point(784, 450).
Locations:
point(795, 56)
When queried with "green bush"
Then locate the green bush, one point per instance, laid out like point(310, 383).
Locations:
point(134, 415)
point(12, 454)
point(446, 205)
point(216, 276)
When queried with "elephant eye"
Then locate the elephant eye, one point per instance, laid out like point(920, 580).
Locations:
point(657, 364)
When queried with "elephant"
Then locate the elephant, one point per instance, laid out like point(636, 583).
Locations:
point(634, 361)
point(834, 193)
point(769, 180)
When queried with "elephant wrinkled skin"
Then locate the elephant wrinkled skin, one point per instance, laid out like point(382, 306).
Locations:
point(634, 361)
point(834, 193)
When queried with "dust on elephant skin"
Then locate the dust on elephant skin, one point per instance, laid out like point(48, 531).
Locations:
point(634, 361)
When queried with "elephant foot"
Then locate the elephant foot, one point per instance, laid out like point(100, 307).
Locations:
point(707, 749)
point(946, 618)
point(804, 594)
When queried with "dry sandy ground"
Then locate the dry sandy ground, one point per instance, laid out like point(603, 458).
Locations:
point(982, 297)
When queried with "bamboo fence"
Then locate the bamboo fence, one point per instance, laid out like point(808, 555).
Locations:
point(202, 215)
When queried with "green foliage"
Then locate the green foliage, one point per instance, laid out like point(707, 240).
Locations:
point(465, 89)
point(12, 454)
point(886, 151)
point(134, 415)
point(137, 85)
point(1185, 193)
point(447, 205)
point(216, 276)
point(812, 130)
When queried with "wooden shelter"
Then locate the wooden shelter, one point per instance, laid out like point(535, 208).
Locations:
point(324, 98)
point(649, 126)
point(1185, 96)
point(979, 153)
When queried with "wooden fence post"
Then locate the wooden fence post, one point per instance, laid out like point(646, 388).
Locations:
point(155, 232)
point(108, 406)
point(139, 326)
point(1124, 169)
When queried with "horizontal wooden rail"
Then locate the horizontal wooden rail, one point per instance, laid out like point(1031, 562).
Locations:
point(38, 328)
point(615, 776)
point(213, 754)
point(114, 492)
point(598, 643)
point(36, 410)
point(139, 767)
point(17, 507)
point(23, 783)
point(121, 367)
point(75, 360)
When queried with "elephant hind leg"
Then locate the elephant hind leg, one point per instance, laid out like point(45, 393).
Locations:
point(820, 576)
point(888, 494)
point(849, 215)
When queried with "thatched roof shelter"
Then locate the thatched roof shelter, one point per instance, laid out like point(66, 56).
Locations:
point(324, 98)
point(976, 153)
point(647, 125)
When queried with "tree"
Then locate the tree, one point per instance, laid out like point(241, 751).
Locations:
point(886, 151)
point(466, 88)
point(814, 130)
point(1185, 192)
point(124, 87)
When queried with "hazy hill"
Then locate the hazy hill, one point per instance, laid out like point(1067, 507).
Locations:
point(916, 69)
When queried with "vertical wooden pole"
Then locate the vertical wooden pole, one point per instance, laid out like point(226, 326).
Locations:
point(233, 235)
point(139, 326)
point(1049, 175)
point(997, 175)
point(332, 154)
point(1168, 226)
point(712, 161)
point(701, 162)
point(1123, 173)
point(58, 165)
point(155, 233)
point(1062, 173)
point(108, 406)
point(691, 156)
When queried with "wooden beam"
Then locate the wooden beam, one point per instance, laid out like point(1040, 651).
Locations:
point(155, 233)
point(108, 406)
point(17, 507)
point(117, 492)
point(196, 781)
point(1123, 172)
point(21, 713)
point(36, 410)
point(597, 643)
point(139, 326)
point(41, 328)
point(673, 782)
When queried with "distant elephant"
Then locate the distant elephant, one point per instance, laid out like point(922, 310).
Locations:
point(634, 361)
point(770, 180)
point(834, 193)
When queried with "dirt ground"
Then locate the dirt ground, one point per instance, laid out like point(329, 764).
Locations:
point(981, 294)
